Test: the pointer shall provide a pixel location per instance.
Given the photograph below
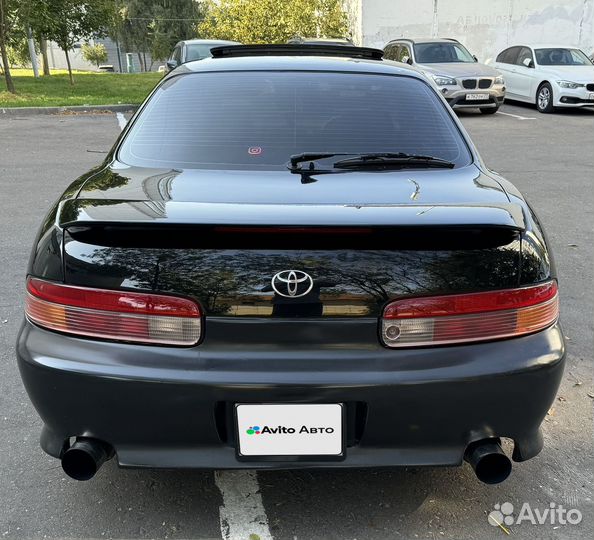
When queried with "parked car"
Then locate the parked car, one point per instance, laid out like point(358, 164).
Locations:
point(463, 81)
point(291, 261)
point(548, 75)
point(298, 40)
point(193, 49)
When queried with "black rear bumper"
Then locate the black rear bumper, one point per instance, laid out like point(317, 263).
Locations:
point(169, 407)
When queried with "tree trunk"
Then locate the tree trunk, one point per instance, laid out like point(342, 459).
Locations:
point(43, 47)
point(69, 66)
point(140, 64)
point(4, 54)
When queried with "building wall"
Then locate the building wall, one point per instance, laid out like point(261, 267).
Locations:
point(57, 59)
point(484, 26)
point(354, 10)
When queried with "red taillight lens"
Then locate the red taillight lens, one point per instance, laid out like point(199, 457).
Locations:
point(460, 318)
point(114, 315)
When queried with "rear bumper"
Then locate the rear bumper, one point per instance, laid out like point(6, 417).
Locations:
point(165, 407)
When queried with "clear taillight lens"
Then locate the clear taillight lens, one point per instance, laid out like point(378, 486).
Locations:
point(460, 318)
point(113, 315)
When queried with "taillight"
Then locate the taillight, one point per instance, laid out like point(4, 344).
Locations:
point(114, 315)
point(460, 318)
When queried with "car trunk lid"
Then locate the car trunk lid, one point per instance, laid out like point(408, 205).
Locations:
point(412, 234)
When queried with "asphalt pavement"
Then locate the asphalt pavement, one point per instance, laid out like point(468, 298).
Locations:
point(548, 157)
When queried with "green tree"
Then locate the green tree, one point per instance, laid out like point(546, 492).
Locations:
point(273, 21)
point(18, 52)
point(173, 21)
point(68, 21)
point(7, 13)
point(96, 54)
point(34, 14)
point(132, 27)
point(155, 26)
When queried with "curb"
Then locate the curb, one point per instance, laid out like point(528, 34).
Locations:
point(80, 109)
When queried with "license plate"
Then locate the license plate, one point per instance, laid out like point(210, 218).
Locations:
point(290, 430)
point(476, 97)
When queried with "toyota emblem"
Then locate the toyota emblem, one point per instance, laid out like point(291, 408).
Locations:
point(292, 283)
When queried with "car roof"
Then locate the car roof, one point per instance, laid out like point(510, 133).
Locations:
point(424, 40)
point(552, 46)
point(208, 42)
point(542, 46)
point(299, 63)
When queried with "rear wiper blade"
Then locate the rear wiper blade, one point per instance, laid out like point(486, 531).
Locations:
point(295, 159)
point(392, 160)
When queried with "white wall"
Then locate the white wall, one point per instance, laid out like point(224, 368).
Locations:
point(484, 26)
point(57, 58)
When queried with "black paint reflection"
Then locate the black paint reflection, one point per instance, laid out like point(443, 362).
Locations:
point(348, 283)
point(309, 305)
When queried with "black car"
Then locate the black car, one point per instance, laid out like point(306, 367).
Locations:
point(292, 257)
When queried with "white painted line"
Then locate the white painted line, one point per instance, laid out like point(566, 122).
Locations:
point(242, 515)
point(121, 120)
point(516, 116)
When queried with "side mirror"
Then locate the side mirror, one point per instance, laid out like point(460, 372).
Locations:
point(528, 62)
point(475, 58)
point(171, 64)
point(407, 60)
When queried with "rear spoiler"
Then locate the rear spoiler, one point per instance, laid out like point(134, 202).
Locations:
point(92, 212)
point(268, 226)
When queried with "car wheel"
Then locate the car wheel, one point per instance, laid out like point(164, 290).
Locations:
point(489, 110)
point(544, 98)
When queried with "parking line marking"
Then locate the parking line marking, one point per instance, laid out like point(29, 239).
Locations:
point(516, 116)
point(242, 513)
point(121, 120)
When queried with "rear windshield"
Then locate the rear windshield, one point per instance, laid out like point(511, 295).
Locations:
point(258, 119)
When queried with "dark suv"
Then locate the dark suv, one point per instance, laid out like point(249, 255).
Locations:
point(293, 256)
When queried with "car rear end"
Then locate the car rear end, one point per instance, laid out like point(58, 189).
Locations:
point(228, 313)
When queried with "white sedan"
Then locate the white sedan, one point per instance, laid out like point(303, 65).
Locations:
point(548, 75)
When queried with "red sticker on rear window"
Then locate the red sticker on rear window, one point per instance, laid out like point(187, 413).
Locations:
point(254, 150)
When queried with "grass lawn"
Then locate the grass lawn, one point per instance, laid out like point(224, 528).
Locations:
point(89, 88)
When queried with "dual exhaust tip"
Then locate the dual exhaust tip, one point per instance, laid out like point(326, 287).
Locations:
point(85, 457)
